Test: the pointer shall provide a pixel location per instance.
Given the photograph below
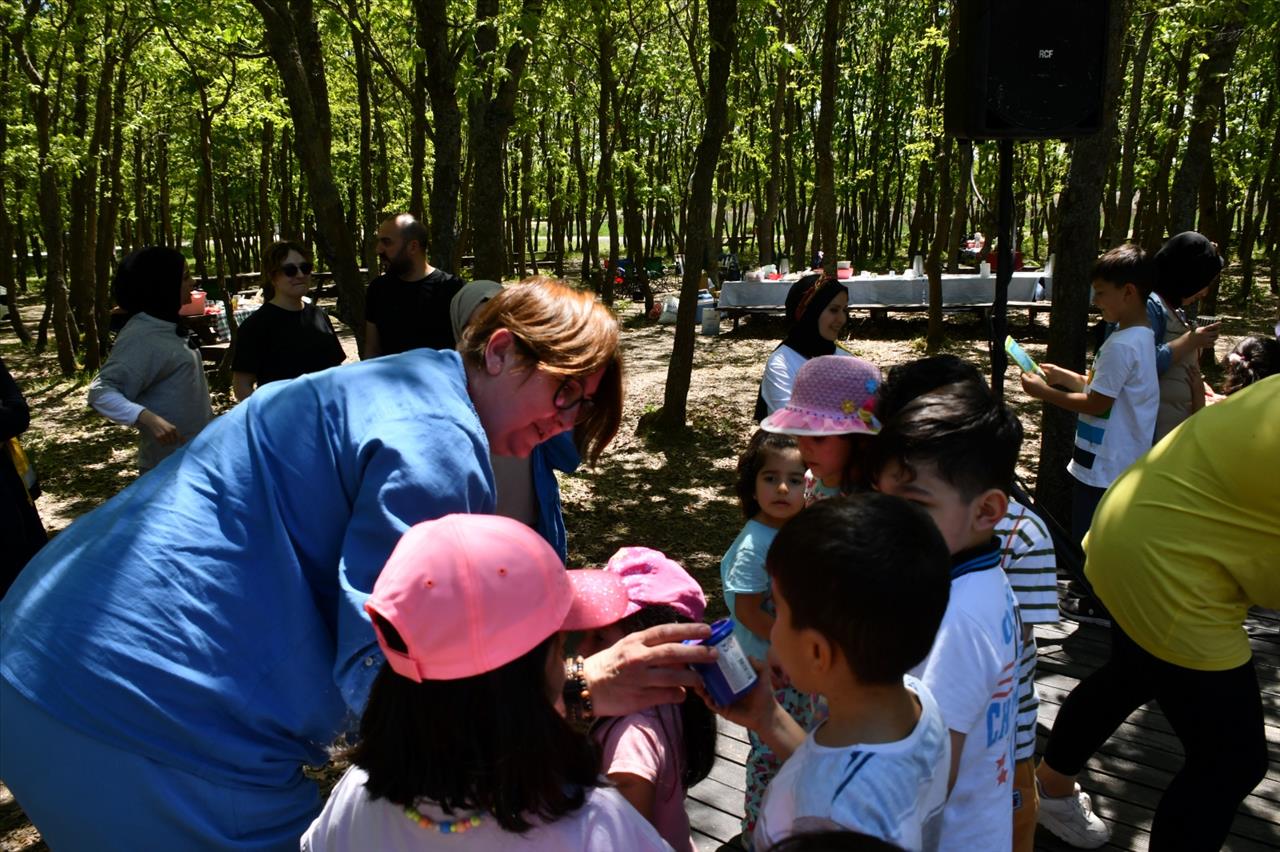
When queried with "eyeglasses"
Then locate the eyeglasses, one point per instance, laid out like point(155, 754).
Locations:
point(292, 269)
point(571, 394)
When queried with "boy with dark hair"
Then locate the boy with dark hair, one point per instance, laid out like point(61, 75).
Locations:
point(953, 451)
point(1118, 400)
point(1029, 562)
point(860, 585)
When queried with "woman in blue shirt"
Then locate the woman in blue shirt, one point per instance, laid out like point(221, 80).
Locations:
point(172, 660)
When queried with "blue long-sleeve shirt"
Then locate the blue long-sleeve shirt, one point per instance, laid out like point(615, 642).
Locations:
point(210, 616)
point(1159, 327)
point(556, 453)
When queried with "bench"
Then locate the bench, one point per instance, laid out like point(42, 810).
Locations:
point(537, 258)
point(213, 353)
point(881, 311)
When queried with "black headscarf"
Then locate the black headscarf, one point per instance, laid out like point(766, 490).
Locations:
point(806, 300)
point(805, 303)
point(149, 281)
point(1186, 265)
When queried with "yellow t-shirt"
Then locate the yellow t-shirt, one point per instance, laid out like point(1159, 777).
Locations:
point(1186, 539)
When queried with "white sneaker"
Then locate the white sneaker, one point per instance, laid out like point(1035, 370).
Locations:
point(1071, 819)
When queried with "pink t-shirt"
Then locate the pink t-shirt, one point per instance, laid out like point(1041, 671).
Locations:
point(650, 745)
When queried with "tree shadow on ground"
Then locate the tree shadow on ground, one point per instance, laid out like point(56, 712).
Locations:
point(657, 495)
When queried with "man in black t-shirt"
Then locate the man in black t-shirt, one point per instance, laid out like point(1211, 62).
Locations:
point(407, 305)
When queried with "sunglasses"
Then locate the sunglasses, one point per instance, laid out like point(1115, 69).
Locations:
point(292, 269)
point(571, 394)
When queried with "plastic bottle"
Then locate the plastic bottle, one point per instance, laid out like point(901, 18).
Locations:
point(731, 676)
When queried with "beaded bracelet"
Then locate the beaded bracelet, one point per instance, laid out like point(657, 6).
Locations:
point(577, 696)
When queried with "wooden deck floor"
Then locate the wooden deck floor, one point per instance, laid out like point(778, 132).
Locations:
point(1125, 778)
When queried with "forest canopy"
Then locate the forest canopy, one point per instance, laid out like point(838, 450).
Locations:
point(570, 133)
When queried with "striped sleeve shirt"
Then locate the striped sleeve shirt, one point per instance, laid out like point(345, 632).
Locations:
point(1026, 555)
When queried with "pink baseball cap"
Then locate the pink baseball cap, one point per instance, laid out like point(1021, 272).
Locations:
point(470, 593)
point(652, 577)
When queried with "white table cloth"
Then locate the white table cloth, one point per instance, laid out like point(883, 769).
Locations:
point(970, 289)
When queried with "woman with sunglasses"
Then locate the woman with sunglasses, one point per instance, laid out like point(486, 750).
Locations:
point(171, 661)
point(286, 337)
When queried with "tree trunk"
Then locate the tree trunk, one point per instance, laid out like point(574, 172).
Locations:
point(1076, 251)
point(364, 89)
point(765, 227)
point(722, 31)
point(109, 208)
point(939, 244)
point(50, 205)
point(1124, 200)
point(418, 122)
point(960, 209)
point(1219, 53)
point(492, 109)
point(1253, 217)
point(825, 191)
point(83, 193)
point(294, 43)
point(265, 230)
point(605, 191)
point(1153, 234)
point(446, 165)
point(7, 278)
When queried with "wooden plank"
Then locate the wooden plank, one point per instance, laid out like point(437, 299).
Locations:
point(1092, 655)
point(716, 794)
point(1126, 778)
point(1145, 740)
point(1148, 716)
point(712, 821)
point(1093, 639)
point(1130, 793)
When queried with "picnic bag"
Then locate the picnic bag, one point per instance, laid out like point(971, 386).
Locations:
point(26, 470)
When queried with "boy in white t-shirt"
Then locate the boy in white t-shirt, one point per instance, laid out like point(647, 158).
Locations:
point(953, 451)
point(860, 584)
point(1118, 401)
point(1029, 563)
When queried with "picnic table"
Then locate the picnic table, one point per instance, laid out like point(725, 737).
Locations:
point(906, 289)
point(212, 326)
point(880, 294)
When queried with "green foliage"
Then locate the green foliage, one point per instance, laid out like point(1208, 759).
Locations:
point(185, 56)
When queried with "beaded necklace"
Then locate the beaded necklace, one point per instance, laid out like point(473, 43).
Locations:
point(444, 826)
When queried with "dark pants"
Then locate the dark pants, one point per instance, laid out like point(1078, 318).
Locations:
point(1216, 715)
point(1084, 502)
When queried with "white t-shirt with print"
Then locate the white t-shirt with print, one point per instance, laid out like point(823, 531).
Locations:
point(893, 791)
point(1125, 370)
point(971, 671)
point(353, 822)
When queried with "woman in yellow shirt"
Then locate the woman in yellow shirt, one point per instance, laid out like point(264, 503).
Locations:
point(1183, 543)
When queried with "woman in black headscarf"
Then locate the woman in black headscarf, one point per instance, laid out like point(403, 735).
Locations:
point(818, 310)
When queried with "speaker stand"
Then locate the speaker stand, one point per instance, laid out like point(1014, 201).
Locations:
point(1004, 271)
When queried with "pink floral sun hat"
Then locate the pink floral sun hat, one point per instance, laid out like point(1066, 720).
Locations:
point(832, 395)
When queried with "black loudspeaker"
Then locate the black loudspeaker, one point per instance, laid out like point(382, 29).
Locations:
point(1027, 70)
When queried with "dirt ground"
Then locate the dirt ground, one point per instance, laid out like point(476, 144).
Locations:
point(673, 494)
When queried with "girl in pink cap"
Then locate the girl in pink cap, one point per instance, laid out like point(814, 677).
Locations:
point(463, 742)
point(655, 755)
point(832, 414)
